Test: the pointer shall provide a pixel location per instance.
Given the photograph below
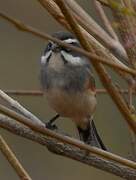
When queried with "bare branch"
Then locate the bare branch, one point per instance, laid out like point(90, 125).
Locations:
point(41, 93)
point(104, 2)
point(18, 108)
point(67, 150)
point(116, 96)
point(115, 64)
point(105, 20)
point(133, 145)
point(41, 129)
point(89, 24)
point(126, 166)
point(127, 27)
point(98, 48)
point(104, 59)
point(24, 92)
point(10, 156)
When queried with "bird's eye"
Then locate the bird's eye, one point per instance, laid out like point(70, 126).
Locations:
point(49, 45)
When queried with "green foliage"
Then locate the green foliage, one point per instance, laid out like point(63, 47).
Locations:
point(116, 5)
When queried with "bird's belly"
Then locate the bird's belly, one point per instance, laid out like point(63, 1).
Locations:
point(74, 105)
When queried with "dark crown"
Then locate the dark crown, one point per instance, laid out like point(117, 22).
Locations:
point(63, 35)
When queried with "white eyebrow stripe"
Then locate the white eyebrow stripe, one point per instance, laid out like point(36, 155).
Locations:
point(71, 59)
point(45, 57)
point(71, 40)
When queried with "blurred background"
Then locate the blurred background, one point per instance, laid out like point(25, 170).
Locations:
point(19, 69)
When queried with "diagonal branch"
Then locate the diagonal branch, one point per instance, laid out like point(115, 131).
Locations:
point(10, 156)
point(67, 150)
point(41, 93)
point(105, 20)
point(117, 65)
point(127, 28)
point(18, 108)
point(104, 2)
point(124, 168)
point(109, 61)
point(100, 50)
point(87, 23)
point(92, 27)
point(65, 139)
point(103, 75)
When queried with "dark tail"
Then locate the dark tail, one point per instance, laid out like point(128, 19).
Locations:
point(91, 136)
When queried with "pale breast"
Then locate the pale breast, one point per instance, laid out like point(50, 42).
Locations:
point(72, 105)
point(65, 85)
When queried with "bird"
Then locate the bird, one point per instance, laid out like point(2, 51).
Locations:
point(68, 83)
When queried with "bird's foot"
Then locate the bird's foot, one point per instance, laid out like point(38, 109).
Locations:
point(51, 126)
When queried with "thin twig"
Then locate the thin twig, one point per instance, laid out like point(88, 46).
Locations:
point(67, 150)
point(103, 75)
point(40, 93)
point(18, 108)
point(52, 8)
point(105, 20)
point(133, 145)
point(130, 97)
point(24, 92)
point(10, 156)
point(66, 139)
point(114, 64)
point(104, 2)
point(88, 25)
point(127, 27)
point(124, 91)
point(99, 49)
point(92, 27)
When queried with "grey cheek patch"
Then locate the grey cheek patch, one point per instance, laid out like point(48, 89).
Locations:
point(45, 58)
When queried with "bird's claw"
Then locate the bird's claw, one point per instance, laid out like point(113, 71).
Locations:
point(51, 126)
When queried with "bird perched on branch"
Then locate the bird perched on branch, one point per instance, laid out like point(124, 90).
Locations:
point(69, 86)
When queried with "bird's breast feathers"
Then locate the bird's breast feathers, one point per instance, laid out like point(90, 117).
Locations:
point(78, 104)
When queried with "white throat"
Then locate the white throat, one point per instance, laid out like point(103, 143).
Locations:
point(71, 59)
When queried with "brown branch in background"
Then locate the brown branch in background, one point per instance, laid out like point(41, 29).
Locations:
point(94, 29)
point(67, 150)
point(124, 91)
point(133, 145)
point(127, 31)
point(10, 156)
point(104, 2)
point(40, 93)
point(105, 79)
point(100, 50)
point(65, 139)
point(116, 65)
point(105, 20)
point(24, 92)
point(134, 4)
point(88, 24)
point(47, 132)
point(10, 102)
point(51, 7)
point(127, 28)
point(24, 28)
